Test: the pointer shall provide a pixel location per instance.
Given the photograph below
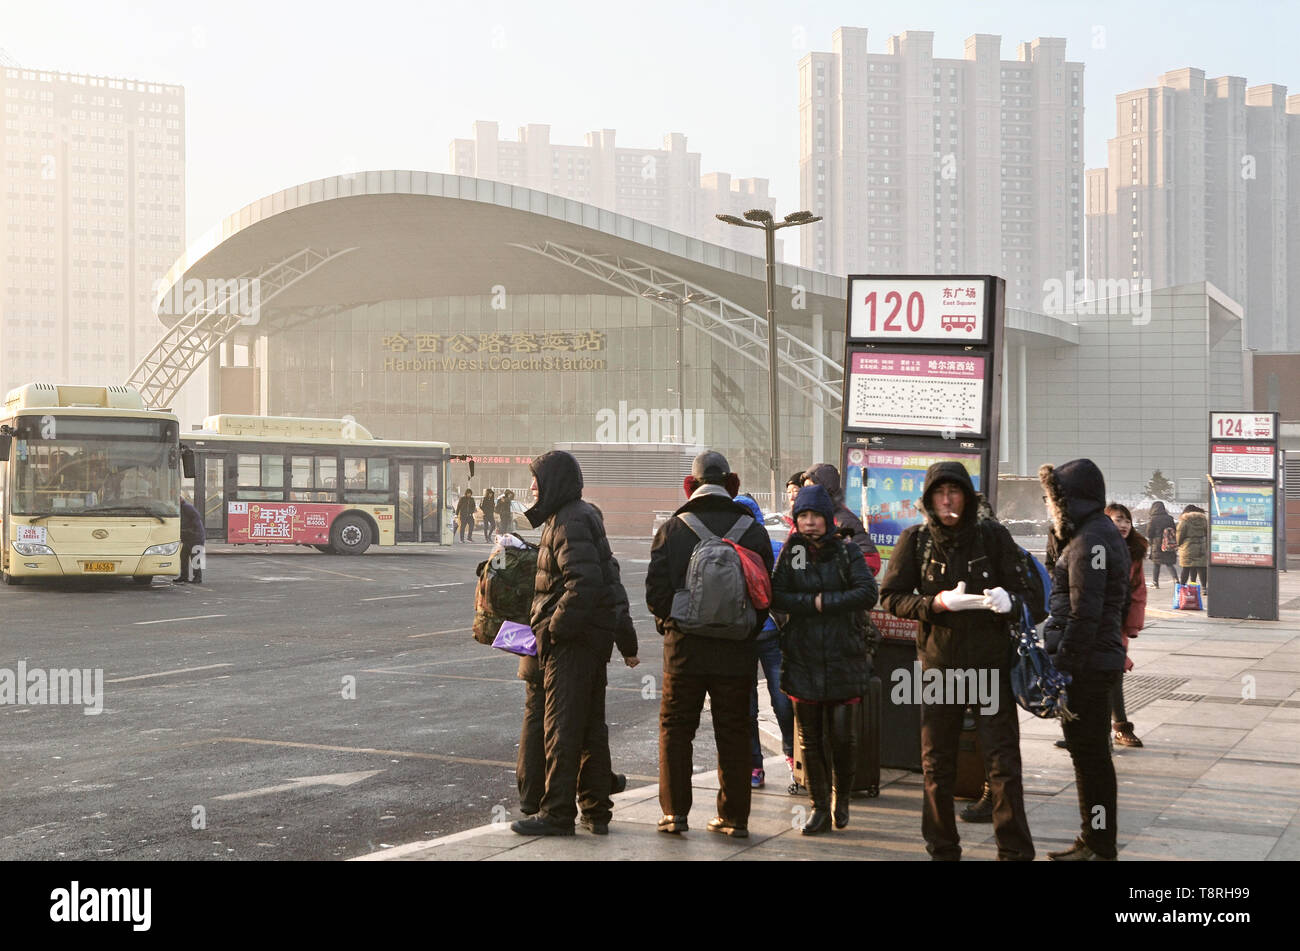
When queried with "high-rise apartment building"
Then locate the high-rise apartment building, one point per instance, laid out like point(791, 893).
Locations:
point(94, 199)
point(1196, 188)
point(659, 186)
point(923, 165)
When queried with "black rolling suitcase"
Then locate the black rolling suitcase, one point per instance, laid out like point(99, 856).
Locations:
point(866, 773)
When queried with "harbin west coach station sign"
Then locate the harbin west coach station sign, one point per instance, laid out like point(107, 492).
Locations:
point(922, 384)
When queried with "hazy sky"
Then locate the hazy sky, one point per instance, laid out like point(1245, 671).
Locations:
point(280, 91)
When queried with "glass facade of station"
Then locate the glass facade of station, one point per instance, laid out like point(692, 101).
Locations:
point(506, 377)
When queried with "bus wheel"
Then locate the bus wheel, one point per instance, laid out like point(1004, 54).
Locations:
point(350, 535)
point(11, 579)
point(142, 580)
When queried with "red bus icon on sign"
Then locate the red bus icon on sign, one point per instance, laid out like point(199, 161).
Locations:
point(951, 322)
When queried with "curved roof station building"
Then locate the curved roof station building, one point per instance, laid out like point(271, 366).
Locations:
point(505, 321)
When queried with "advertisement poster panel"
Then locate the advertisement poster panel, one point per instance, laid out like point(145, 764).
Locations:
point(1241, 529)
point(304, 523)
point(883, 488)
point(938, 394)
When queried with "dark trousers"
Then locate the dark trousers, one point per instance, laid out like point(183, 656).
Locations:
point(1088, 739)
point(489, 526)
point(1173, 572)
point(999, 735)
point(1117, 711)
point(576, 737)
point(530, 767)
point(769, 660)
point(679, 718)
point(1192, 574)
point(466, 529)
point(189, 570)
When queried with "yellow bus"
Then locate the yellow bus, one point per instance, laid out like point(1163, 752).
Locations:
point(327, 483)
point(91, 484)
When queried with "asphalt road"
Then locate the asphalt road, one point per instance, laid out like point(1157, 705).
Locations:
point(226, 733)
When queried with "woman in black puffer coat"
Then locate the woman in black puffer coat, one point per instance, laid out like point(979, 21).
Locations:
point(823, 583)
point(1160, 520)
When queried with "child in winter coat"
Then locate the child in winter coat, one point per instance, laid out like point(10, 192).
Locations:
point(1134, 616)
point(823, 583)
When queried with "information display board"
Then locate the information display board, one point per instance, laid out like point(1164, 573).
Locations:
point(1241, 530)
point(1241, 461)
point(941, 394)
point(905, 310)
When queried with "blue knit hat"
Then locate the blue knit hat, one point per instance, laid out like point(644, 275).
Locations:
point(814, 498)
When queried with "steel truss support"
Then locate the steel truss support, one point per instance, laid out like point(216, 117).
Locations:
point(197, 335)
point(808, 371)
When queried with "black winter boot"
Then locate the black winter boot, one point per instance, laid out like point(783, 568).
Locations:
point(816, 773)
point(981, 810)
point(844, 754)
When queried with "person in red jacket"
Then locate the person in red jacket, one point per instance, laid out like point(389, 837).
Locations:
point(1134, 616)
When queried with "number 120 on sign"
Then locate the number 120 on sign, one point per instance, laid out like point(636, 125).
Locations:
point(947, 310)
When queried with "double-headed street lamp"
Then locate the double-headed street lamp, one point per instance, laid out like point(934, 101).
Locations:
point(694, 297)
point(758, 218)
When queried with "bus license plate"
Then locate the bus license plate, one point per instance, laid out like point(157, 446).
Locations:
point(109, 566)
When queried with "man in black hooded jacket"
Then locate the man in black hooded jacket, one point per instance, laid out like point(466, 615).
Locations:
point(971, 580)
point(579, 609)
point(1090, 564)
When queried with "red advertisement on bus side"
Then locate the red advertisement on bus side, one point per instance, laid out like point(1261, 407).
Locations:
point(304, 523)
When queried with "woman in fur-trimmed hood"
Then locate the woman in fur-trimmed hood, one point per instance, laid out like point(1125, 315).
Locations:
point(1090, 586)
point(1090, 570)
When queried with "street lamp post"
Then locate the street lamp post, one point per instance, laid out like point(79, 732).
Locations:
point(759, 218)
point(694, 297)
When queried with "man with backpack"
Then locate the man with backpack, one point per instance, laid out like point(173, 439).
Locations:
point(697, 588)
point(579, 609)
point(960, 574)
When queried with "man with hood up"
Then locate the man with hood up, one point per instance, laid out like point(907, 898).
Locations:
point(1089, 561)
point(848, 524)
point(695, 665)
point(959, 574)
point(579, 610)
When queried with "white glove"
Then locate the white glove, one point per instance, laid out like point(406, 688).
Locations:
point(997, 600)
point(958, 600)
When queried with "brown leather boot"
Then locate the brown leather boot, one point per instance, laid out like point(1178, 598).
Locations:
point(1124, 735)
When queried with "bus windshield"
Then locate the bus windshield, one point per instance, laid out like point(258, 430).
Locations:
point(90, 475)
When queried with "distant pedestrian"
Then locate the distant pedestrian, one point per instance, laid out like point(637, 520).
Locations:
point(1193, 536)
point(823, 583)
point(1162, 536)
point(1134, 617)
point(579, 611)
point(696, 665)
point(1090, 588)
point(465, 513)
point(489, 509)
point(792, 487)
point(505, 518)
point(193, 535)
